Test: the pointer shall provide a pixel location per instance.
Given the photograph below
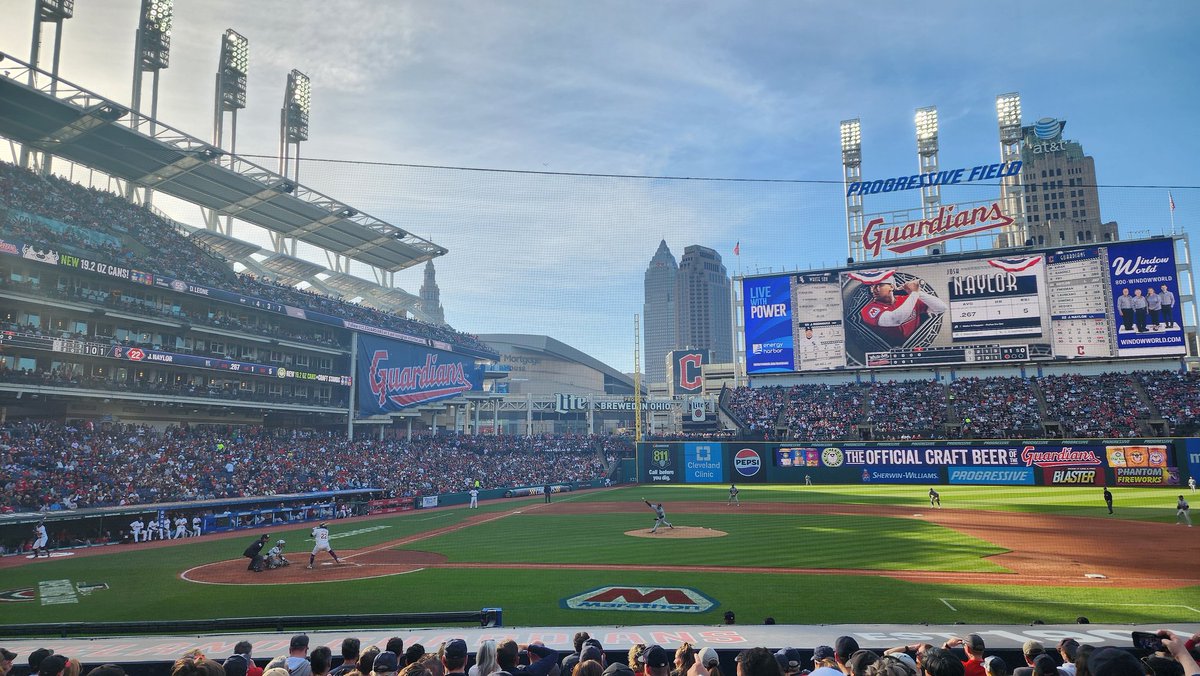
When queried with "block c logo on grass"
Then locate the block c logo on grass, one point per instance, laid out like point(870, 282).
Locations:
point(655, 599)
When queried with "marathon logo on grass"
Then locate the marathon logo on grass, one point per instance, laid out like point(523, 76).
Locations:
point(1074, 476)
point(1022, 476)
point(747, 462)
point(653, 599)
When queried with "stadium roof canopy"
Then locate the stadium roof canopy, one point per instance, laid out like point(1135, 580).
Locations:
point(67, 121)
point(559, 350)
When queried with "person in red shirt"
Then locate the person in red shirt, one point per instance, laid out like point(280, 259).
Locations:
point(897, 314)
point(973, 645)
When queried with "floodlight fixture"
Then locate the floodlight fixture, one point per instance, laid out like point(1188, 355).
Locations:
point(154, 34)
point(927, 124)
point(1008, 109)
point(54, 10)
point(235, 52)
point(296, 101)
point(851, 135)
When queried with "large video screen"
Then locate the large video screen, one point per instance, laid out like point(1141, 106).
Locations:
point(1112, 300)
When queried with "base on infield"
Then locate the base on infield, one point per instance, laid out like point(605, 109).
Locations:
point(678, 533)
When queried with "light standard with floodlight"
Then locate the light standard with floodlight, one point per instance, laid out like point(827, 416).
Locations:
point(927, 158)
point(852, 173)
point(1012, 191)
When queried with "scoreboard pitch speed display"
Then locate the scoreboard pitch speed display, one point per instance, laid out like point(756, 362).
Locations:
point(1061, 304)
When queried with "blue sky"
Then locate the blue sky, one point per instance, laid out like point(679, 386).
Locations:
point(711, 89)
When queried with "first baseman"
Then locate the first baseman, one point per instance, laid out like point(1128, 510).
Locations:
point(660, 514)
point(321, 535)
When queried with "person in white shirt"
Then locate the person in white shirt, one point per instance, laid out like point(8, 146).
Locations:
point(321, 535)
point(136, 529)
point(195, 526)
point(474, 498)
point(41, 538)
point(180, 527)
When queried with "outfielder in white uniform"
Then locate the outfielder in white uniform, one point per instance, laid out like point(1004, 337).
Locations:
point(136, 529)
point(474, 498)
point(180, 527)
point(660, 514)
point(40, 540)
point(321, 535)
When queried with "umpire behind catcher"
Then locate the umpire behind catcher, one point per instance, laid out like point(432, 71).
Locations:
point(254, 553)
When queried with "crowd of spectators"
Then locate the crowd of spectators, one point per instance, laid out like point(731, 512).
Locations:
point(104, 225)
point(996, 407)
point(91, 465)
point(1105, 405)
point(1114, 405)
point(1173, 655)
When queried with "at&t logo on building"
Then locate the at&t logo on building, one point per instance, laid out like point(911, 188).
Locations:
point(747, 462)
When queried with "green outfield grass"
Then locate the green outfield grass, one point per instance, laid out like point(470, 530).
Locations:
point(145, 584)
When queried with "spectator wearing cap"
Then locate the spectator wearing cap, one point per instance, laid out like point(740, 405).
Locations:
point(52, 665)
point(239, 663)
point(973, 645)
point(387, 663)
point(685, 657)
point(593, 650)
point(939, 662)
point(6, 661)
point(351, 649)
point(107, 670)
point(657, 661)
point(35, 659)
point(1044, 665)
point(860, 661)
point(321, 660)
point(843, 648)
point(508, 652)
point(485, 659)
point(790, 661)
point(1068, 650)
point(824, 662)
point(454, 656)
point(708, 663)
point(584, 641)
point(1114, 662)
point(1030, 650)
point(618, 669)
point(296, 661)
point(995, 666)
point(757, 662)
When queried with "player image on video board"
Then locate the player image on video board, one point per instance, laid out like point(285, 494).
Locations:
point(886, 309)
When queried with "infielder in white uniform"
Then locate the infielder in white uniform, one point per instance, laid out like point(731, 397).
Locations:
point(40, 540)
point(180, 527)
point(321, 535)
point(136, 529)
point(660, 514)
point(474, 498)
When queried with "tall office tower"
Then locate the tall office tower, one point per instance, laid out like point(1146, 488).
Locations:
point(431, 296)
point(658, 312)
point(1062, 205)
point(703, 306)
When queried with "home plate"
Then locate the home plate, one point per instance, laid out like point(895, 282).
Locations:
point(1095, 576)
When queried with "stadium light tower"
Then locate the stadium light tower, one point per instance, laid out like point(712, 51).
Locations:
point(152, 53)
point(1012, 190)
point(852, 173)
point(46, 11)
point(231, 86)
point(293, 121)
point(927, 158)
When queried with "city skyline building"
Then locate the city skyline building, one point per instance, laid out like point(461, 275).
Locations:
point(1062, 203)
point(703, 310)
point(431, 296)
point(660, 332)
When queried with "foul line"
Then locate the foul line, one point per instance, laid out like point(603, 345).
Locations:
point(1073, 603)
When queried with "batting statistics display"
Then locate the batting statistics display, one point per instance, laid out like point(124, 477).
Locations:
point(1113, 300)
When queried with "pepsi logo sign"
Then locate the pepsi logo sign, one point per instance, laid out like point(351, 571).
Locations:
point(747, 462)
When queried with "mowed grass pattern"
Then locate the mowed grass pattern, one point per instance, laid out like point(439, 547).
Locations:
point(752, 540)
point(145, 584)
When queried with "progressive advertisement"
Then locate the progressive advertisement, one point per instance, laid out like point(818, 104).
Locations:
point(1115, 300)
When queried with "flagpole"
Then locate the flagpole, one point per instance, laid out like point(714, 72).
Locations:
point(1171, 204)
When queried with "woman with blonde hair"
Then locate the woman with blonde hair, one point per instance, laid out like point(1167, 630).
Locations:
point(485, 660)
point(639, 669)
point(685, 657)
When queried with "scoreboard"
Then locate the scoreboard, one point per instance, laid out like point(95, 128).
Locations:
point(1052, 304)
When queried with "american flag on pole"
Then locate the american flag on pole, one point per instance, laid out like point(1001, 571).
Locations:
point(737, 248)
point(870, 277)
point(1171, 199)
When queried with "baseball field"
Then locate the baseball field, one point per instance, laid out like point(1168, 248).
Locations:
point(800, 554)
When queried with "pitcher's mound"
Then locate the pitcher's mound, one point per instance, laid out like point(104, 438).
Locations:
point(678, 533)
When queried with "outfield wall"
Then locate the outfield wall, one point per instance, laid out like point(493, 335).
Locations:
point(1084, 462)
